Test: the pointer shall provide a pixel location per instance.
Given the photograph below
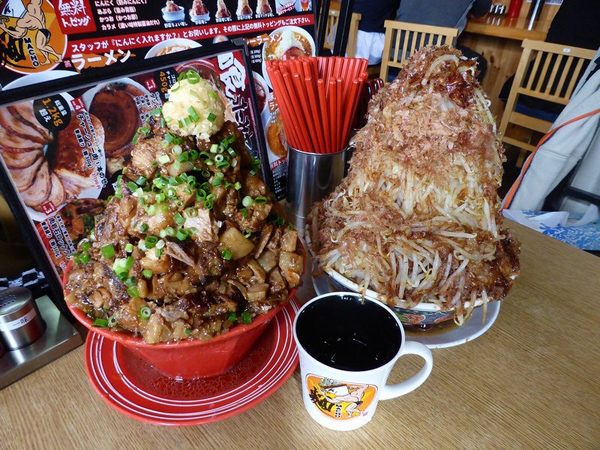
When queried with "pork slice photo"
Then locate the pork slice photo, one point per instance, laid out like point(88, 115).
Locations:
point(38, 192)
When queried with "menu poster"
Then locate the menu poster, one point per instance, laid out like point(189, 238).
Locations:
point(62, 152)
point(43, 39)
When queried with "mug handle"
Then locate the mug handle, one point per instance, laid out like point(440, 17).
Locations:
point(396, 390)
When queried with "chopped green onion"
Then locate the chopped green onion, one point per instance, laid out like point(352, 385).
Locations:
point(170, 231)
point(112, 321)
point(108, 251)
point(175, 87)
point(184, 157)
point(232, 317)
point(246, 318)
point(169, 137)
point(147, 273)
point(175, 181)
point(152, 209)
point(100, 323)
point(160, 244)
point(144, 227)
point(219, 158)
point(162, 233)
point(128, 248)
point(222, 165)
point(188, 331)
point(177, 149)
point(211, 117)
point(226, 254)
point(141, 180)
point(164, 159)
point(208, 204)
point(160, 198)
point(200, 194)
point(216, 182)
point(191, 212)
point(144, 313)
point(194, 154)
point(214, 148)
point(212, 95)
point(194, 114)
point(83, 259)
point(260, 200)
point(131, 185)
point(150, 241)
point(158, 252)
point(244, 212)
point(133, 292)
point(237, 186)
point(192, 77)
point(131, 281)
point(85, 246)
point(247, 201)
point(247, 233)
point(179, 218)
point(182, 235)
point(156, 112)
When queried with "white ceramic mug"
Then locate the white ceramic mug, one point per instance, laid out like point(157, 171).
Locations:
point(346, 399)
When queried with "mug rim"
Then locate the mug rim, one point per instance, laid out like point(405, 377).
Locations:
point(352, 372)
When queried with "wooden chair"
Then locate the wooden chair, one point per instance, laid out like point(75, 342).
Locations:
point(407, 38)
point(553, 76)
point(333, 18)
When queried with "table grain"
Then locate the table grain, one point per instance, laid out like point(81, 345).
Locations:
point(531, 381)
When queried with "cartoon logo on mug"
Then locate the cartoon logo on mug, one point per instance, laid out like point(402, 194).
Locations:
point(340, 400)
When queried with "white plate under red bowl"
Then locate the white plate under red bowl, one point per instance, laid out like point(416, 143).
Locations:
point(133, 387)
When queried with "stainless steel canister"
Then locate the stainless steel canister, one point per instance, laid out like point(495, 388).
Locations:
point(1, 350)
point(20, 320)
point(311, 177)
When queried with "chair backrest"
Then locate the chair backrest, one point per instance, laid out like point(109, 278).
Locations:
point(545, 71)
point(403, 39)
point(556, 69)
point(333, 18)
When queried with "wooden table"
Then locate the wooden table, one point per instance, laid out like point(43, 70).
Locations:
point(531, 381)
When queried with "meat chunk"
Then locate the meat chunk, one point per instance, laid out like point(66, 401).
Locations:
point(201, 220)
point(291, 265)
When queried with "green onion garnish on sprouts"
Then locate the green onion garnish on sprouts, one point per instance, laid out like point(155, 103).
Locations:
point(194, 114)
point(133, 292)
point(85, 246)
point(244, 212)
point(177, 149)
point(108, 251)
point(211, 117)
point(247, 201)
point(130, 282)
point(226, 254)
point(179, 218)
point(237, 186)
point(214, 148)
point(260, 200)
point(144, 313)
point(83, 259)
point(158, 252)
point(232, 317)
point(100, 323)
point(144, 227)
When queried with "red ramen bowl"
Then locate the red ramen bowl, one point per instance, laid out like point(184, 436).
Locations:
point(191, 358)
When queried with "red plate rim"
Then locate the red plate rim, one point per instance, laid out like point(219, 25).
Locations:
point(281, 364)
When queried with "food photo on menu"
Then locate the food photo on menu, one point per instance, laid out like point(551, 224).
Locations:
point(227, 218)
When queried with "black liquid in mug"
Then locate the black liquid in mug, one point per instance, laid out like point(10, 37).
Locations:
point(346, 333)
